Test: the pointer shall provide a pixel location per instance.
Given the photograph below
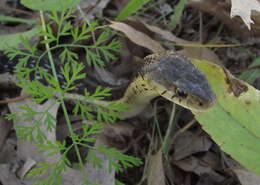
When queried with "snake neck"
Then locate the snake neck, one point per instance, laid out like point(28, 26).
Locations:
point(138, 95)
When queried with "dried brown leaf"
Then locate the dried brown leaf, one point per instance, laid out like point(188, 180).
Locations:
point(187, 144)
point(137, 37)
point(199, 167)
point(246, 177)
point(156, 172)
point(27, 149)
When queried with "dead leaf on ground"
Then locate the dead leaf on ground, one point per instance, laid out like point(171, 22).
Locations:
point(192, 164)
point(137, 37)
point(91, 7)
point(6, 177)
point(27, 166)
point(8, 153)
point(5, 128)
point(165, 34)
point(201, 53)
point(27, 149)
point(155, 169)
point(188, 143)
point(246, 177)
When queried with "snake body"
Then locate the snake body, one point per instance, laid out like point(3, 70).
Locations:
point(171, 76)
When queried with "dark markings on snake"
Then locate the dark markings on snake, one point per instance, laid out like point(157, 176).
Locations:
point(146, 89)
point(173, 96)
point(164, 92)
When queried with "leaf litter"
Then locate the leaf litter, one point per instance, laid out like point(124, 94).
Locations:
point(193, 159)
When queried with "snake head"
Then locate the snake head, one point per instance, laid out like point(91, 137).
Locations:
point(178, 80)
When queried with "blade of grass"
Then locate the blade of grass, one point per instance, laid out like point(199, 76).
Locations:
point(15, 19)
point(178, 9)
point(130, 8)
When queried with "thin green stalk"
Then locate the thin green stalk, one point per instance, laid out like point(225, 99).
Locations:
point(61, 94)
point(170, 131)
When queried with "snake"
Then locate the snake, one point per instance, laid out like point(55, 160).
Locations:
point(166, 74)
point(172, 76)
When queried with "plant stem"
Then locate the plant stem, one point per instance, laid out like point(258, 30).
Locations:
point(170, 131)
point(61, 98)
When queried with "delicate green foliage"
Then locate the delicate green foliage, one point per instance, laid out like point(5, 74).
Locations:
point(112, 113)
point(50, 5)
point(131, 8)
point(53, 147)
point(67, 55)
point(10, 116)
point(125, 161)
point(178, 10)
point(103, 48)
point(13, 40)
point(89, 130)
point(105, 112)
point(94, 159)
point(64, 72)
point(51, 172)
point(81, 33)
point(99, 94)
point(35, 131)
point(72, 72)
point(83, 111)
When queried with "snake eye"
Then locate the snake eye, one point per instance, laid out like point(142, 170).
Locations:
point(181, 93)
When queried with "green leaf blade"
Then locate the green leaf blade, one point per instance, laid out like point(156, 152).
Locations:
point(130, 8)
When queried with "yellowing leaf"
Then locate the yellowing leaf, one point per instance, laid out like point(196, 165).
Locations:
point(243, 9)
point(233, 122)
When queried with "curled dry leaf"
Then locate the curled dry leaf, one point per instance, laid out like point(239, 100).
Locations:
point(165, 34)
point(201, 53)
point(137, 37)
point(156, 172)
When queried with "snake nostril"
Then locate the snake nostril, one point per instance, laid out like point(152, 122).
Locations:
point(200, 104)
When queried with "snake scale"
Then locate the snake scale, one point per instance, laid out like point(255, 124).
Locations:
point(165, 74)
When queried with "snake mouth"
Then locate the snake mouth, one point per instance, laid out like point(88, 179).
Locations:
point(184, 98)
